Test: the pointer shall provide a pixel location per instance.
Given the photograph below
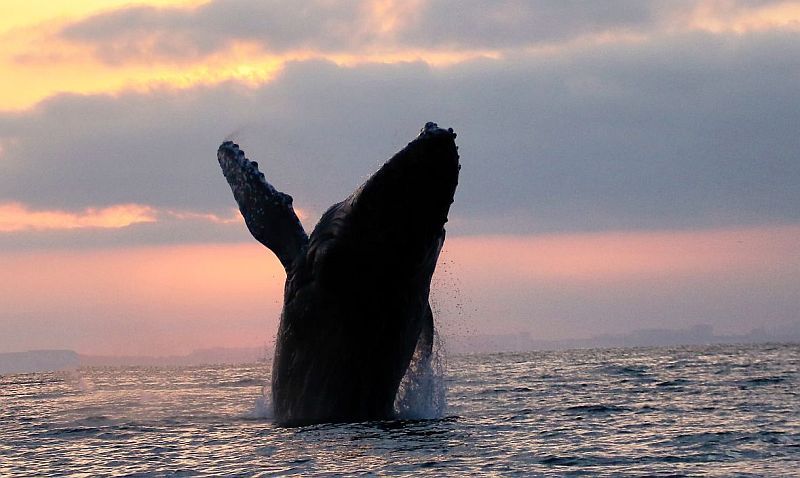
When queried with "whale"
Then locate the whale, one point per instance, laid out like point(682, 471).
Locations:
point(356, 306)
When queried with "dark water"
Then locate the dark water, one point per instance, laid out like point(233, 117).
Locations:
point(697, 411)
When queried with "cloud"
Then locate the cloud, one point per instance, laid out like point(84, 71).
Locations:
point(23, 228)
point(680, 131)
point(521, 23)
point(249, 40)
point(624, 121)
point(16, 217)
point(180, 34)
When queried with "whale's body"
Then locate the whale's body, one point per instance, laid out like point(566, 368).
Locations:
point(356, 295)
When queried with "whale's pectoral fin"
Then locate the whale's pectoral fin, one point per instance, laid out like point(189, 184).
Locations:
point(267, 212)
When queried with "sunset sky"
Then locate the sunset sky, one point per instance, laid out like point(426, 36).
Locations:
point(625, 164)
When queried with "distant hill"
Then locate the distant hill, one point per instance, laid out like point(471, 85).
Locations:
point(38, 361)
point(696, 335)
point(49, 360)
point(209, 356)
point(53, 360)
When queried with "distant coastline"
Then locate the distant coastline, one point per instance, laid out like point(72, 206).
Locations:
point(702, 334)
point(53, 360)
point(38, 361)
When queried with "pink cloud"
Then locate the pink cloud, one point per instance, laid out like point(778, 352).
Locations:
point(18, 217)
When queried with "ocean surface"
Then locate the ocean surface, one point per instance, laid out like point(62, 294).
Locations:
point(687, 411)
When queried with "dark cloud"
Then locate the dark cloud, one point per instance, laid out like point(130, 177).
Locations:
point(180, 34)
point(514, 23)
point(175, 34)
point(678, 132)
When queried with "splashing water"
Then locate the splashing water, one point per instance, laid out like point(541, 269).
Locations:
point(262, 407)
point(81, 383)
point(423, 393)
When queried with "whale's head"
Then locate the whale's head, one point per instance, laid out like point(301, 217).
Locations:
point(412, 192)
point(395, 220)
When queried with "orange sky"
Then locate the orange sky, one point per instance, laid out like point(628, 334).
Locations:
point(174, 298)
point(36, 63)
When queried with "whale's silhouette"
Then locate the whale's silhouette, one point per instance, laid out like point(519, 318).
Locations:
point(356, 295)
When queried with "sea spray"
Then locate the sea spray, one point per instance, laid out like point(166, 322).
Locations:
point(423, 392)
point(262, 407)
point(79, 381)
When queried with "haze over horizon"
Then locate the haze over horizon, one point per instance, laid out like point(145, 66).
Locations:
point(625, 165)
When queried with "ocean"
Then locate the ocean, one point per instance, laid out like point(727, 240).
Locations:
point(722, 410)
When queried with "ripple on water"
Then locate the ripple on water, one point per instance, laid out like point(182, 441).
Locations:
point(714, 411)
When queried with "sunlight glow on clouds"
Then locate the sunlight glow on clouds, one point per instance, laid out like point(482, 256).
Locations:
point(35, 76)
point(722, 16)
point(233, 218)
point(17, 217)
point(107, 47)
point(205, 216)
point(35, 12)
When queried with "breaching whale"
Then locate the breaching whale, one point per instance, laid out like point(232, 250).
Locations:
point(356, 302)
